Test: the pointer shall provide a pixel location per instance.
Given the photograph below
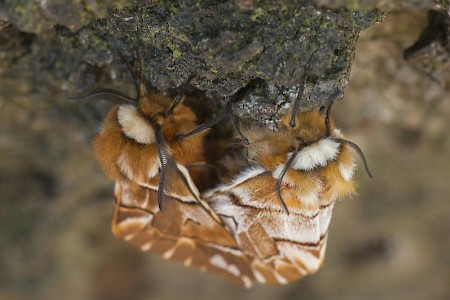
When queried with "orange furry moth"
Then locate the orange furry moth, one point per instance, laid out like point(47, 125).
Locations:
point(143, 147)
point(279, 206)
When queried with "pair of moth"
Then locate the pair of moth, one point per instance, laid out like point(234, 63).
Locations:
point(266, 221)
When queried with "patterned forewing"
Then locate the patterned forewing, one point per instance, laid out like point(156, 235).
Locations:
point(284, 247)
point(183, 232)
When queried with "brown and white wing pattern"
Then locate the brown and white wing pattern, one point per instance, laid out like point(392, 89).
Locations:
point(184, 232)
point(135, 154)
point(284, 247)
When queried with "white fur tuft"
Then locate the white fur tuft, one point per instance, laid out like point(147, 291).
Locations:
point(347, 171)
point(316, 155)
point(135, 126)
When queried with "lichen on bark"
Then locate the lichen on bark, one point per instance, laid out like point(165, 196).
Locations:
point(225, 44)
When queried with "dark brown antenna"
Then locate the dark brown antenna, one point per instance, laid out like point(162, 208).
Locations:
point(179, 98)
point(296, 105)
point(357, 149)
point(132, 72)
point(113, 96)
point(280, 178)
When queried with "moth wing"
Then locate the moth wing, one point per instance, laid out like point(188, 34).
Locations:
point(183, 232)
point(284, 247)
point(175, 181)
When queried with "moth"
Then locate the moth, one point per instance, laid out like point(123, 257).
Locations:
point(152, 149)
point(184, 228)
point(279, 206)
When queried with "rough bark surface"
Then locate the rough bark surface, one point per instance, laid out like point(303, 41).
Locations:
point(225, 44)
point(55, 235)
point(431, 52)
point(385, 4)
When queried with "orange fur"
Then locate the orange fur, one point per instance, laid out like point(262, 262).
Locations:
point(335, 186)
point(270, 150)
point(286, 247)
point(111, 146)
point(108, 145)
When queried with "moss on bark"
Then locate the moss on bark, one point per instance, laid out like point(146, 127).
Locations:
point(224, 43)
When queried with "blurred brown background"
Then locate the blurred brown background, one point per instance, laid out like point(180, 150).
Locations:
point(391, 241)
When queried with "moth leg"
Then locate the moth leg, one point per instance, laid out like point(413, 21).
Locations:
point(237, 126)
point(132, 72)
point(297, 101)
point(296, 105)
point(331, 100)
point(142, 86)
point(179, 98)
point(238, 96)
point(227, 112)
point(116, 96)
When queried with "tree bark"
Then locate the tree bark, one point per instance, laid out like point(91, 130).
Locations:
point(224, 44)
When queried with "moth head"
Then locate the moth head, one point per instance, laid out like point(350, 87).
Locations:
point(309, 126)
point(164, 110)
point(312, 146)
point(316, 143)
point(153, 106)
